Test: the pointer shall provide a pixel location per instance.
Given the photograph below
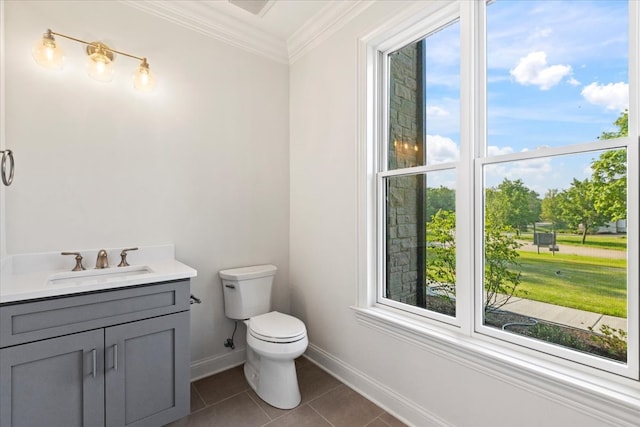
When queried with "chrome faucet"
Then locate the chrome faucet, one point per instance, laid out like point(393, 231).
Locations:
point(102, 261)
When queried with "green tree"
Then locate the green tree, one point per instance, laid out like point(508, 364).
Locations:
point(512, 204)
point(610, 175)
point(441, 198)
point(502, 270)
point(441, 254)
point(610, 184)
point(622, 123)
point(578, 209)
point(550, 209)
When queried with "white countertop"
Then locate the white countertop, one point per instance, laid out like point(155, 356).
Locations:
point(31, 276)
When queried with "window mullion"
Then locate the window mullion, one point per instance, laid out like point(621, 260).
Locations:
point(477, 150)
point(633, 197)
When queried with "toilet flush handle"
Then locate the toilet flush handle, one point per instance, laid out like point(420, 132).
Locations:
point(229, 286)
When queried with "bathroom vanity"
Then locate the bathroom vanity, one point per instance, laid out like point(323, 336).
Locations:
point(116, 354)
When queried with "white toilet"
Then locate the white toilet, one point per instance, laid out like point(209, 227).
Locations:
point(274, 339)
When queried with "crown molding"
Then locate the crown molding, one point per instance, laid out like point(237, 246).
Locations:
point(323, 25)
point(201, 17)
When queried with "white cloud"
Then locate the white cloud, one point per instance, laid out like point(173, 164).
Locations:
point(613, 96)
point(497, 151)
point(536, 173)
point(441, 149)
point(532, 167)
point(573, 82)
point(435, 111)
point(534, 70)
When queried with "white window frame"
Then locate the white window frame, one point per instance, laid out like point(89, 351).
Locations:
point(465, 339)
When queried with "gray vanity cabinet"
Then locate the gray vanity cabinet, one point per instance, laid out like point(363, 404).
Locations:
point(54, 382)
point(142, 365)
point(114, 358)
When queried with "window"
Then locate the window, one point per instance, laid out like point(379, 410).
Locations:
point(420, 178)
point(505, 210)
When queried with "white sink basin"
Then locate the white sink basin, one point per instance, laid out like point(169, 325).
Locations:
point(95, 276)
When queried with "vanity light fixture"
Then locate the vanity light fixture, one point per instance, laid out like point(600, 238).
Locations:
point(47, 53)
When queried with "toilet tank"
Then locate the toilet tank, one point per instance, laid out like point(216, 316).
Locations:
point(247, 290)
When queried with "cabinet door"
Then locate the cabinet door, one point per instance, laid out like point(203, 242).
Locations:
point(147, 371)
point(55, 382)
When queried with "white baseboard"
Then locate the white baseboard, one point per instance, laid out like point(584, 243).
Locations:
point(397, 405)
point(212, 365)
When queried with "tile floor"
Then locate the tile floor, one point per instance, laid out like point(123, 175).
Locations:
point(227, 400)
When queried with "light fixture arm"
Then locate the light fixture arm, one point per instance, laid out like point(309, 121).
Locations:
point(139, 58)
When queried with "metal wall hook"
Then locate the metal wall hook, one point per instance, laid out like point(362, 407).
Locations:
point(194, 300)
point(7, 154)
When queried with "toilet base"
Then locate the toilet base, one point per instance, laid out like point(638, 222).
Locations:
point(274, 381)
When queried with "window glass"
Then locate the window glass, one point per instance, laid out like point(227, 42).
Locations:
point(424, 101)
point(442, 94)
point(420, 240)
point(555, 227)
point(557, 72)
point(555, 251)
point(424, 133)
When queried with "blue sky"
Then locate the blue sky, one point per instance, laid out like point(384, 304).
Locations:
point(557, 75)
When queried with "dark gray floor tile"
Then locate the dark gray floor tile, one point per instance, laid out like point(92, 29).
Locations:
point(391, 420)
point(302, 362)
point(343, 407)
point(196, 401)
point(221, 386)
point(271, 411)
point(226, 399)
point(239, 410)
point(302, 416)
point(314, 382)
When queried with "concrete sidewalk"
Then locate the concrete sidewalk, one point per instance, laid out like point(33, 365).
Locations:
point(575, 250)
point(563, 315)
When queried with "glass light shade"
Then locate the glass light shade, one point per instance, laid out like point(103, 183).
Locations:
point(100, 67)
point(47, 53)
point(143, 79)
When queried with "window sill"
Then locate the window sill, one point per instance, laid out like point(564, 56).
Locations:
point(612, 400)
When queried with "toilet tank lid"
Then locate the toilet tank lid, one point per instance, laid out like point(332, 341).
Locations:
point(252, 272)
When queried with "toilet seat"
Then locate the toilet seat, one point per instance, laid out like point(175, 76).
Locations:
point(277, 327)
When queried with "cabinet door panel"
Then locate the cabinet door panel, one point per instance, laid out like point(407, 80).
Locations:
point(53, 382)
point(147, 378)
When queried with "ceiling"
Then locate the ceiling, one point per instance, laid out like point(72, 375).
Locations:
point(281, 18)
point(279, 29)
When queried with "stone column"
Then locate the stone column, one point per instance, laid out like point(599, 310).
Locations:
point(405, 195)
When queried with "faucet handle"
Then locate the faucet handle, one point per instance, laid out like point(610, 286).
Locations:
point(123, 257)
point(79, 266)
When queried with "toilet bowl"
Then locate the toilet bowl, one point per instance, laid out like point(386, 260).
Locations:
point(274, 339)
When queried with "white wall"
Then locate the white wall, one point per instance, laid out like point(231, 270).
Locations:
point(202, 162)
point(422, 387)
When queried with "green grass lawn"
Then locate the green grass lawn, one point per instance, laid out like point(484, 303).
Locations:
point(592, 284)
point(603, 241)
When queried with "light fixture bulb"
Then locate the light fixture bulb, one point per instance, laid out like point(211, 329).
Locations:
point(143, 79)
point(100, 63)
point(47, 53)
